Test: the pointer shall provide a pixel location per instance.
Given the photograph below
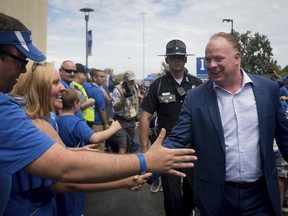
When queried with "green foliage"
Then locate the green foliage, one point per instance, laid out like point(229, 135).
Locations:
point(119, 77)
point(284, 71)
point(256, 51)
point(164, 68)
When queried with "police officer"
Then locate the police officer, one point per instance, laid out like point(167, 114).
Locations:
point(165, 97)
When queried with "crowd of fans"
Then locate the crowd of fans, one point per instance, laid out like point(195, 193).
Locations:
point(88, 110)
point(38, 170)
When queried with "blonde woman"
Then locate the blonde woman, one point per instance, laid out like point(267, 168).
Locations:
point(42, 88)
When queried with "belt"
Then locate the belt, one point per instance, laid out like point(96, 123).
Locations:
point(244, 185)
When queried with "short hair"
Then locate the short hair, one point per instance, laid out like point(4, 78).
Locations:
point(230, 38)
point(94, 72)
point(35, 86)
point(69, 97)
point(8, 23)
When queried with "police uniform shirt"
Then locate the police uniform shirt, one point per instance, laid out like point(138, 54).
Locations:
point(164, 98)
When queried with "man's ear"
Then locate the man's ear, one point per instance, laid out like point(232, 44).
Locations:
point(185, 59)
point(166, 60)
point(238, 57)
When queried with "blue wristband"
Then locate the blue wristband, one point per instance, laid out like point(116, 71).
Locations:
point(142, 163)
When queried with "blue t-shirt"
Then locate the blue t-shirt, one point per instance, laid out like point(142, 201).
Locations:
point(86, 85)
point(100, 104)
point(30, 194)
point(106, 89)
point(283, 92)
point(73, 130)
point(66, 85)
point(21, 141)
point(111, 77)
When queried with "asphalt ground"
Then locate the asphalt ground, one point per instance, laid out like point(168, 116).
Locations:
point(122, 202)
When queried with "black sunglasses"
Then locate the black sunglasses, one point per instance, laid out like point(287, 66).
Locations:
point(35, 65)
point(69, 70)
point(24, 62)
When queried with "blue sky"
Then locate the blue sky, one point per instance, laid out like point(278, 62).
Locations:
point(117, 27)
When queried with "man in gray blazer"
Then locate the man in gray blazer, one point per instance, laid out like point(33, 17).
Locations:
point(231, 122)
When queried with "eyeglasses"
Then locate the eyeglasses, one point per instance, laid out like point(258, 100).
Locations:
point(24, 62)
point(69, 70)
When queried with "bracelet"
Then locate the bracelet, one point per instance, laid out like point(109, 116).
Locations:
point(142, 163)
point(106, 126)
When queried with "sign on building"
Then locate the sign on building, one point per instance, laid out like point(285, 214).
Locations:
point(201, 68)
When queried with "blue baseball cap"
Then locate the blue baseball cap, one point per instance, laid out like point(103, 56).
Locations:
point(82, 68)
point(22, 40)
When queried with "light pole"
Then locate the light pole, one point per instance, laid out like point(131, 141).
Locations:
point(229, 20)
point(143, 14)
point(86, 11)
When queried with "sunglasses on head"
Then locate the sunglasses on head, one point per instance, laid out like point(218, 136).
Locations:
point(69, 70)
point(35, 65)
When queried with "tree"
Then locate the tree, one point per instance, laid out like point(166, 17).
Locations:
point(257, 55)
point(163, 69)
point(284, 71)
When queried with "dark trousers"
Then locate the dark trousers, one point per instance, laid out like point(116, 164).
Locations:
point(178, 200)
point(252, 201)
point(125, 137)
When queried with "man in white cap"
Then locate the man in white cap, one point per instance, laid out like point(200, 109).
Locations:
point(23, 146)
point(125, 102)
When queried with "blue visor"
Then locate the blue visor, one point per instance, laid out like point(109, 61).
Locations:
point(22, 40)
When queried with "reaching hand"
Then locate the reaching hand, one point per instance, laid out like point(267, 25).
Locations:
point(115, 125)
point(89, 147)
point(91, 101)
point(163, 160)
point(136, 182)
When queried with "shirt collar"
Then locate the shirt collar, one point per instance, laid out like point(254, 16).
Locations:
point(94, 84)
point(184, 79)
point(246, 80)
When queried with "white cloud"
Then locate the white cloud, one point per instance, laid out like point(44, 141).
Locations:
point(118, 29)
